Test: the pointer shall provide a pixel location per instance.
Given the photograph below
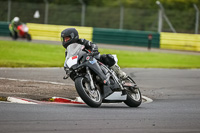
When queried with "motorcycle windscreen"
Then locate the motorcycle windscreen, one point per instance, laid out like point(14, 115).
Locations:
point(72, 51)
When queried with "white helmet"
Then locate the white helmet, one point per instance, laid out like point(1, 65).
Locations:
point(16, 19)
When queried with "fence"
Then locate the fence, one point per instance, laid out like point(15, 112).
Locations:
point(99, 17)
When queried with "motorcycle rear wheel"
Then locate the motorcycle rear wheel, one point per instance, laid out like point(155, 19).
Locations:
point(28, 36)
point(134, 99)
point(92, 98)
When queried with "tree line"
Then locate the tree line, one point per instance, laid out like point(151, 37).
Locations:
point(138, 14)
point(148, 4)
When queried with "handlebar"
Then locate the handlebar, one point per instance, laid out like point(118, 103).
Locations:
point(91, 53)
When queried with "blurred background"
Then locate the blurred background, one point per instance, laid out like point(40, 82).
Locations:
point(179, 16)
point(147, 24)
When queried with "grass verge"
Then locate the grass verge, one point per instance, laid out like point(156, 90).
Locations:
point(27, 54)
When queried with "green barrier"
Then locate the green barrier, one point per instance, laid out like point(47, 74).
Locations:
point(4, 30)
point(180, 41)
point(125, 37)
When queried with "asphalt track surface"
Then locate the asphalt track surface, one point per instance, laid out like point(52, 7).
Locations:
point(176, 108)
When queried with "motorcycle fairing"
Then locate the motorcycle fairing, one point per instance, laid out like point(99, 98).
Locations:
point(72, 61)
point(116, 96)
point(22, 29)
point(109, 93)
point(94, 66)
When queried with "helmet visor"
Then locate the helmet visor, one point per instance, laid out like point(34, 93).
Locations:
point(65, 39)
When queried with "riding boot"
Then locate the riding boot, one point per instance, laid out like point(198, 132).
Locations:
point(118, 71)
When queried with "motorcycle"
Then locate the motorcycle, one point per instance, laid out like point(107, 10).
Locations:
point(22, 32)
point(95, 82)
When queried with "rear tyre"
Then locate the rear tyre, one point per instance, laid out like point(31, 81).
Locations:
point(28, 36)
point(91, 97)
point(134, 97)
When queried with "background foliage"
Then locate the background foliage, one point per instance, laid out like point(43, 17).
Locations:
point(138, 14)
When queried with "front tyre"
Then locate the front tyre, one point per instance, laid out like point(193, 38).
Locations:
point(28, 37)
point(134, 97)
point(91, 97)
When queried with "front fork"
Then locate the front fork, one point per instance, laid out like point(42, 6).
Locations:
point(90, 78)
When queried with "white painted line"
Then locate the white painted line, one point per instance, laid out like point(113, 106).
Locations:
point(19, 100)
point(147, 100)
point(79, 99)
point(24, 80)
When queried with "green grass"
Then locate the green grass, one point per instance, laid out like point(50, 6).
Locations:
point(27, 54)
point(155, 60)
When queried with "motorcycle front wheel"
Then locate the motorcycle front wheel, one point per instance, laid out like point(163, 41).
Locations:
point(134, 97)
point(91, 97)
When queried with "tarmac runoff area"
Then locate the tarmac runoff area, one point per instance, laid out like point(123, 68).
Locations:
point(52, 100)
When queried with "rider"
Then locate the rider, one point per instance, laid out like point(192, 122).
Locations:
point(13, 27)
point(70, 35)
